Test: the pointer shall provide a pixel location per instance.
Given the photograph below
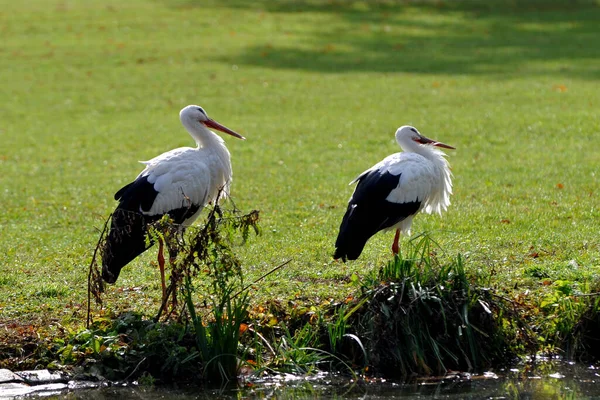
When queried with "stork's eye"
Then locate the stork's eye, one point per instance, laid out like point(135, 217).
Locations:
point(414, 130)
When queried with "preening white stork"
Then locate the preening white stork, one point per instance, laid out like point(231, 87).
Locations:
point(393, 191)
point(179, 183)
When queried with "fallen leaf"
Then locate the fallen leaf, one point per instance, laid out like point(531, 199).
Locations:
point(328, 48)
point(560, 88)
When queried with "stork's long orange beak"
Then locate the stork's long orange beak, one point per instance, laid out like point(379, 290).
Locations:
point(211, 123)
point(440, 144)
point(424, 140)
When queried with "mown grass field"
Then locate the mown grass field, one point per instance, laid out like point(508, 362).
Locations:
point(318, 88)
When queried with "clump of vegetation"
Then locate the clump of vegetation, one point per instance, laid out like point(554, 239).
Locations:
point(130, 347)
point(209, 255)
point(199, 339)
point(24, 346)
point(570, 320)
point(585, 337)
point(420, 316)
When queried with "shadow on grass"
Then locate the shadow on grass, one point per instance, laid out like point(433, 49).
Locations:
point(432, 37)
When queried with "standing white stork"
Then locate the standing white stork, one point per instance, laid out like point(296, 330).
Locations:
point(179, 183)
point(393, 191)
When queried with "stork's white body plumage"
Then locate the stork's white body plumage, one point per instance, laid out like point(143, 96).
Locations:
point(389, 194)
point(179, 183)
point(201, 174)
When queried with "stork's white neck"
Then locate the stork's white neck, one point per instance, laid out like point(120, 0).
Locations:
point(440, 196)
point(411, 146)
point(203, 136)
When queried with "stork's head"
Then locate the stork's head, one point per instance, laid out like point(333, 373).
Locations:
point(193, 115)
point(407, 135)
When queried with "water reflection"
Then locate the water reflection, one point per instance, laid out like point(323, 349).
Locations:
point(549, 381)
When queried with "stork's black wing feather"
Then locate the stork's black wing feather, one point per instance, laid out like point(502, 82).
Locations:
point(139, 194)
point(369, 212)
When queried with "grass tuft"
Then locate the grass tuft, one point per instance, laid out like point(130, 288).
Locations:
point(421, 316)
point(51, 291)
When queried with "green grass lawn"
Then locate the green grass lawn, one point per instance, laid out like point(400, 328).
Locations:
point(318, 88)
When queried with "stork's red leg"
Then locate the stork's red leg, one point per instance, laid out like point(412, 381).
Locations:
point(395, 247)
point(161, 265)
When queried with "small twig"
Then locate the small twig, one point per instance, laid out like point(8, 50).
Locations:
point(525, 328)
point(164, 302)
point(265, 341)
point(513, 302)
point(262, 277)
point(586, 294)
point(89, 296)
point(135, 369)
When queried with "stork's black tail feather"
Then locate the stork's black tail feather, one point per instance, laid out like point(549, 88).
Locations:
point(349, 248)
point(362, 221)
point(355, 231)
point(128, 228)
point(125, 241)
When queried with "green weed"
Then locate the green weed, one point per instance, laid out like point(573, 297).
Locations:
point(51, 291)
point(130, 346)
point(210, 260)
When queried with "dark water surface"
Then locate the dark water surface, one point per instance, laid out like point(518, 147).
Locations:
point(549, 381)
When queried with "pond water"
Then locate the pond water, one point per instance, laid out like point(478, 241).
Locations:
point(547, 381)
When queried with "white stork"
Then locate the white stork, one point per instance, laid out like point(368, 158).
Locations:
point(393, 191)
point(179, 183)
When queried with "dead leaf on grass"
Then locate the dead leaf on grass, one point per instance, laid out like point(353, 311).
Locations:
point(560, 88)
